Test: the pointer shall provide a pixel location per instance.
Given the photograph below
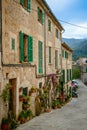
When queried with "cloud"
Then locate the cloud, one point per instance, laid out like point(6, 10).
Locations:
point(75, 32)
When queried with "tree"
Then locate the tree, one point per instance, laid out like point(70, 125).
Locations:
point(76, 73)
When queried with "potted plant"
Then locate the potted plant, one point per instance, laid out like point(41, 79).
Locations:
point(29, 114)
point(22, 116)
point(4, 124)
point(54, 104)
point(21, 98)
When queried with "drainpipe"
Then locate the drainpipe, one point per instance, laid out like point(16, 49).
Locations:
point(1, 31)
point(45, 45)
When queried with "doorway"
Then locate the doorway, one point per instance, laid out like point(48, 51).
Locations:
point(12, 102)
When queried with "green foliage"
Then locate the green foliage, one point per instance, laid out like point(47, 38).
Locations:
point(6, 93)
point(4, 120)
point(76, 73)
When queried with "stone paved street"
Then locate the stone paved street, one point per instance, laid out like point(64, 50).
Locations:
point(73, 116)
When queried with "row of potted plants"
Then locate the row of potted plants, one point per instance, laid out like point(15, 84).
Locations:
point(25, 115)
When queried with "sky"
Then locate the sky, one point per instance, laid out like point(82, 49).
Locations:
point(72, 11)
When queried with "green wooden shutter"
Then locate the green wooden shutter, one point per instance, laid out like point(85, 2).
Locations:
point(86, 69)
point(29, 5)
point(63, 76)
point(13, 44)
point(40, 69)
point(62, 53)
point(56, 58)
point(43, 18)
point(49, 54)
point(30, 49)
point(70, 74)
point(21, 47)
point(22, 2)
point(67, 76)
point(38, 14)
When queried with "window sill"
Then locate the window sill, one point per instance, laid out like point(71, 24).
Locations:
point(49, 63)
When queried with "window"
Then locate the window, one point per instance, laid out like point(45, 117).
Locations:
point(26, 4)
point(12, 44)
point(41, 16)
point(62, 53)
point(40, 58)
point(66, 55)
point(57, 33)
point(86, 70)
point(26, 48)
point(56, 59)
point(49, 54)
point(69, 74)
point(49, 25)
point(25, 90)
point(63, 76)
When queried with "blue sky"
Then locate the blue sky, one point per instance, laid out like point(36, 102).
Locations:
point(72, 11)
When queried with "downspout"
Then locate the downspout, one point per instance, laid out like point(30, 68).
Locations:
point(1, 32)
point(45, 45)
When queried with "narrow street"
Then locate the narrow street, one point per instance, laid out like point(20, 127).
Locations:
point(73, 116)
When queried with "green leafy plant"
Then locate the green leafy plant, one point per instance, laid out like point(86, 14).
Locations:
point(6, 93)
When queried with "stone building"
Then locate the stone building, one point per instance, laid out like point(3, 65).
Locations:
point(82, 63)
point(66, 66)
point(30, 48)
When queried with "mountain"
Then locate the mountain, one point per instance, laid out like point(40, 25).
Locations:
point(79, 47)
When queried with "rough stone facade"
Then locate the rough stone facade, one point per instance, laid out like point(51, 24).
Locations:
point(16, 18)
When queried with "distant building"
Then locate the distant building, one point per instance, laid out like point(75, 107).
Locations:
point(82, 62)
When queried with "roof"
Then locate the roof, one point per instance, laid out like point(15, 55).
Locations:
point(50, 11)
point(67, 47)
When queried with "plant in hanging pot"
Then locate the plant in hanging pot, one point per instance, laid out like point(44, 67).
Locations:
point(4, 124)
point(21, 98)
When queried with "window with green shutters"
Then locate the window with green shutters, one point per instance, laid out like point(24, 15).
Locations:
point(63, 76)
point(70, 74)
point(30, 49)
point(26, 4)
point(26, 48)
point(49, 25)
point(12, 44)
point(21, 46)
point(62, 53)
point(66, 55)
point(41, 16)
point(56, 32)
point(56, 58)
point(40, 58)
point(50, 55)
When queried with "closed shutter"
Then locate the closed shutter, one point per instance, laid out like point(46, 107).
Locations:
point(70, 74)
point(22, 2)
point(30, 49)
point(38, 14)
point(43, 18)
point(21, 47)
point(63, 76)
point(56, 59)
point(40, 70)
point(67, 76)
point(29, 5)
point(49, 54)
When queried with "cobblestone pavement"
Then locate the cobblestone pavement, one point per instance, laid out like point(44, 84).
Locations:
point(73, 116)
